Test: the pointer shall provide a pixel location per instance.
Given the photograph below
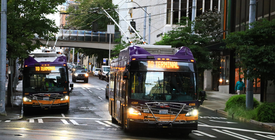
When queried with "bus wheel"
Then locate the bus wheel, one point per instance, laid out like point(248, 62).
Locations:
point(114, 120)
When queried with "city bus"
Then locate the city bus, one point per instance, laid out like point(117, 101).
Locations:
point(154, 87)
point(46, 81)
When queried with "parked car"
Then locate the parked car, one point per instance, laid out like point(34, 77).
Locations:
point(95, 72)
point(107, 91)
point(80, 74)
point(103, 71)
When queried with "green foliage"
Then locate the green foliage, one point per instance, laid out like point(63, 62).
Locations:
point(256, 49)
point(266, 112)
point(25, 19)
point(207, 31)
point(89, 12)
point(119, 47)
point(242, 112)
point(239, 101)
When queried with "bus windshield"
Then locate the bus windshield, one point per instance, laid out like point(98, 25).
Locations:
point(163, 86)
point(54, 80)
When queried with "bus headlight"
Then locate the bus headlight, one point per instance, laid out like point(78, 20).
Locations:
point(75, 74)
point(86, 74)
point(132, 111)
point(65, 98)
point(193, 112)
point(25, 99)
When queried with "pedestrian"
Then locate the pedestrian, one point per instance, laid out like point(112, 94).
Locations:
point(239, 86)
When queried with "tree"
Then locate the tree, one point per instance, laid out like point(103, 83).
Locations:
point(207, 30)
point(26, 19)
point(255, 48)
point(88, 15)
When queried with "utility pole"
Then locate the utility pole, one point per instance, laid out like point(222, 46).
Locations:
point(249, 84)
point(194, 8)
point(144, 28)
point(3, 56)
point(73, 57)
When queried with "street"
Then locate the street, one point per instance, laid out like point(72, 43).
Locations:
point(88, 118)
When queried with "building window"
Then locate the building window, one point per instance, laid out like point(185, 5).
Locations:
point(224, 70)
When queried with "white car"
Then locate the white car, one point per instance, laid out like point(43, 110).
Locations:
point(103, 71)
point(95, 72)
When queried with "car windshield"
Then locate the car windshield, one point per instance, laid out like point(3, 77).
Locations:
point(80, 71)
point(54, 80)
point(163, 86)
point(97, 69)
point(106, 68)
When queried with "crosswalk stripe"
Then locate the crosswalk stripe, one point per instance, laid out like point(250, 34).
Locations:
point(103, 123)
point(40, 121)
point(64, 121)
point(74, 122)
point(242, 138)
point(102, 89)
point(211, 136)
point(239, 135)
point(198, 134)
point(31, 121)
point(272, 138)
point(8, 121)
point(112, 124)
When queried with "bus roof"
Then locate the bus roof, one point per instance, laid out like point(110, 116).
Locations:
point(58, 61)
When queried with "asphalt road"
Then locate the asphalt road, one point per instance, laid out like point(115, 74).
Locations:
point(88, 118)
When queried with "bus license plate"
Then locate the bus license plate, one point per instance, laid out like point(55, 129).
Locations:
point(46, 98)
point(163, 111)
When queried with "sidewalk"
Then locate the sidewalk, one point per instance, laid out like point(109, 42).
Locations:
point(216, 102)
point(14, 112)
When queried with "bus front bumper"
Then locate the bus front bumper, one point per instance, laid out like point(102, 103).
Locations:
point(185, 125)
point(46, 106)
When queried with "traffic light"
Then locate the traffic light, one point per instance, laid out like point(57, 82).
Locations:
point(133, 24)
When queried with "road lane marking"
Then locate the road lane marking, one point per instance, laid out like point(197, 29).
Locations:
point(112, 124)
point(237, 129)
point(99, 98)
point(31, 121)
point(211, 136)
point(198, 134)
point(64, 121)
point(74, 122)
point(98, 88)
point(103, 123)
point(268, 137)
point(239, 135)
point(210, 117)
point(102, 89)
point(40, 121)
point(8, 121)
point(62, 115)
point(223, 121)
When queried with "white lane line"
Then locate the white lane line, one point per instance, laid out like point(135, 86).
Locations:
point(83, 87)
point(272, 138)
point(197, 134)
point(62, 115)
point(102, 88)
point(239, 135)
point(223, 122)
point(229, 134)
point(99, 98)
point(211, 136)
point(64, 121)
point(112, 124)
point(40, 121)
point(31, 121)
point(8, 121)
point(103, 123)
point(74, 122)
point(98, 88)
point(90, 91)
point(236, 129)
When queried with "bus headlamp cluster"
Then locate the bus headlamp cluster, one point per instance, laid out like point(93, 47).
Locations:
point(193, 112)
point(132, 111)
point(25, 99)
point(65, 98)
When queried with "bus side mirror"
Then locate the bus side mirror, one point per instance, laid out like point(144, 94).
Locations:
point(125, 75)
point(72, 86)
point(202, 96)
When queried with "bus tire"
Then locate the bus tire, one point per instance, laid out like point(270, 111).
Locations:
point(66, 109)
point(114, 120)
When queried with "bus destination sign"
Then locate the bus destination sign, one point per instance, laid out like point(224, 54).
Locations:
point(163, 64)
point(46, 68)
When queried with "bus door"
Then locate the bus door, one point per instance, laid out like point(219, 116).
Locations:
point(117, 96)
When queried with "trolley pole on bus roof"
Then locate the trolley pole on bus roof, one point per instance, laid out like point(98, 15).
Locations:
point(3, 56)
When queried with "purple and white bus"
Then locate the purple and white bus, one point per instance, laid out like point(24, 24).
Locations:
point(46, 82)
point(154, 87)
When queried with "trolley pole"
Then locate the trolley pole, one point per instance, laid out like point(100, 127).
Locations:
point(249, 86)
point(3, 56)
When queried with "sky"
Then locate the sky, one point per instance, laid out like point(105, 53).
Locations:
point(55, 17)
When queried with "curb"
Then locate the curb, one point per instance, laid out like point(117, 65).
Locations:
point(265, 125)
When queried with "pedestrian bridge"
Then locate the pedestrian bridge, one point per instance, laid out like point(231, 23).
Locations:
point(82, 39)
